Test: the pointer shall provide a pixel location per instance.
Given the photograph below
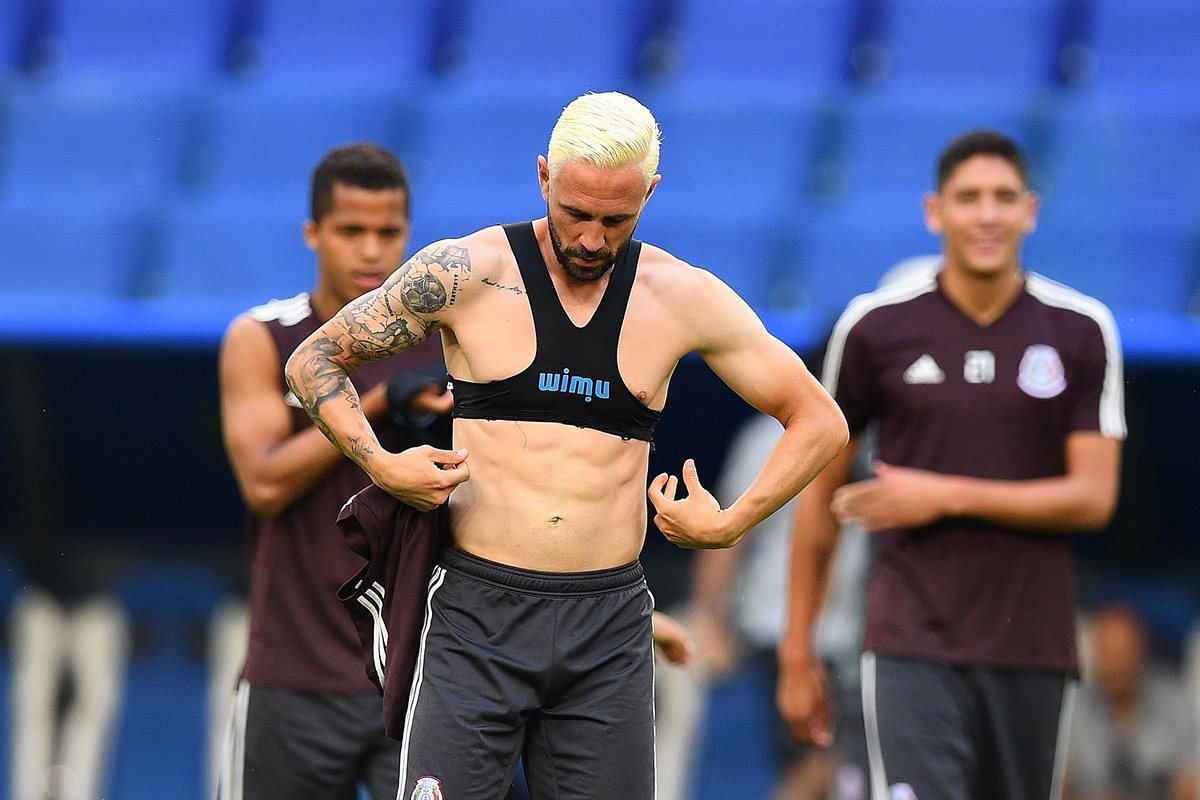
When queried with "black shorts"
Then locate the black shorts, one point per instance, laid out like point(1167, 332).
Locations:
point(945, 732)
point(555, 667)
point(289, 745)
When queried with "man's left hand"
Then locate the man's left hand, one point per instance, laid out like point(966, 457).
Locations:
point(697, 520)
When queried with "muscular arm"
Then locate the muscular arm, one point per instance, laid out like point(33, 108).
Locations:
point(1082, 499)
point(272, 464)
point(410, 305)
point(768, 375)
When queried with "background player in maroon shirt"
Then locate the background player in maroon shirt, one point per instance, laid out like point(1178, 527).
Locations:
point(997, 396)
point(307, 723)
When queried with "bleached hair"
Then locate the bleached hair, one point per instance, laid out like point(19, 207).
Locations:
point(608, 130)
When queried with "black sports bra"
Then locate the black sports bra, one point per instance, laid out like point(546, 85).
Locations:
point(573, 378)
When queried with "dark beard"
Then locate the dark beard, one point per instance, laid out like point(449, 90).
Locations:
point(573, 270)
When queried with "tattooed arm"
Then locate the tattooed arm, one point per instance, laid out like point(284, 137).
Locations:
point(411, 304)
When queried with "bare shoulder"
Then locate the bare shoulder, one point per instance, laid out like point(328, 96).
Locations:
point(446, 273)
point(244, 334)
point(696, 299)
point(247, 350)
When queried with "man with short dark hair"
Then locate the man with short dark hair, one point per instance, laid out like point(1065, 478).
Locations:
point(996, 396)
point(307, 722)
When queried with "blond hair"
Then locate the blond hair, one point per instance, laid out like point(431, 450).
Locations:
point(608, 130)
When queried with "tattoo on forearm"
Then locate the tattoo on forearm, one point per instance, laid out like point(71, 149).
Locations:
point(324, 382)
point(395, 317)
point(359, 449)
point(322, 378)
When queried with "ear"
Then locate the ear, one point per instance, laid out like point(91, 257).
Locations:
point(931, 203)
point(653, 185)
point(311, 238)
point(544, 177)
point(1031, 213)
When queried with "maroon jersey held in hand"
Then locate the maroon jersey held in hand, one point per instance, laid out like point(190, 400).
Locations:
point(995, 402)
point(386, 597)
point(300, 635)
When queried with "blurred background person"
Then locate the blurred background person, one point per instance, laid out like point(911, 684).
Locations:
point(1134, 731)
point(738, 610)
point(306, 721)
point(71, 642)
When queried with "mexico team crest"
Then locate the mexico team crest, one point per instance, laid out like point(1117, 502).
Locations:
point(1041, 373)
point(427, 788)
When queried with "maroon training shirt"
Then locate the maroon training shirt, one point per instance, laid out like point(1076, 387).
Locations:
point(994, 402)
point(301, 637)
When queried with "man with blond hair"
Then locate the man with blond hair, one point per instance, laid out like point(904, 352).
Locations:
point(560, 336)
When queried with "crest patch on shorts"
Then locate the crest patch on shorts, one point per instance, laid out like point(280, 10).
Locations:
point(1041, 373)
point(427, 788)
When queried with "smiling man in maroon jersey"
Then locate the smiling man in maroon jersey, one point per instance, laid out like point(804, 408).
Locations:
point(998, 399)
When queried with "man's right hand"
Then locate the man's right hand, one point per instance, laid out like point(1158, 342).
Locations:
point(805, 702)
point(422, 477)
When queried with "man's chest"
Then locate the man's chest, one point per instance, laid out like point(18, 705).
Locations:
point(1005, 376)
point(501, 339)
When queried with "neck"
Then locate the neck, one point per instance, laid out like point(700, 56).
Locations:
point(982, 297)
point(324, 304)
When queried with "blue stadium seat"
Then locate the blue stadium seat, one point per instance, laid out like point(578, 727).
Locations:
point(479, 166)
point(269, 136)
point(1133, 263)
point(755, 43)
point(573, 46)
point(1000, 45)
point(235, 246)
point(18, 20)
point(160, 751)
point(736, 151)
point(1081, 245)
point(1149, 153)
point(72, 249)
point(749, 252)
point(107, 140)
point(891, 139)
point(1147, 49)
point(359, 41)
point(846, 251)
point(162, 41)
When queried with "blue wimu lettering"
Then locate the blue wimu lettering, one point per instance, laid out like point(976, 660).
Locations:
point(583, 386)
point(567, 383)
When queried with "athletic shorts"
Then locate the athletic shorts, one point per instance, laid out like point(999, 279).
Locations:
point(945, 732)
point(289, 745)
point(555, 667)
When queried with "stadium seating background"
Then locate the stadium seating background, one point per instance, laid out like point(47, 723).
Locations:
point(153, 179)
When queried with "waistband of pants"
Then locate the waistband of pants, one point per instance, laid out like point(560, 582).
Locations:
point(599, 581)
